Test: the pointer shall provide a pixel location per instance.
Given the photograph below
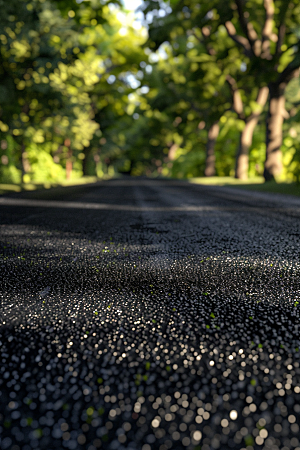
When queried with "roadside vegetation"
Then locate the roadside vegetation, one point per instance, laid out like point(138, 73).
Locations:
point(189, 89)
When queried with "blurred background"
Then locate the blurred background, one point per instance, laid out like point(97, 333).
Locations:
point(179, 88)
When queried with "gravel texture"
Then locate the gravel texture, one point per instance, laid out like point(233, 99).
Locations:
point(149, 315)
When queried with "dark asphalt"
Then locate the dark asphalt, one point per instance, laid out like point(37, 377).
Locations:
point(149, 315)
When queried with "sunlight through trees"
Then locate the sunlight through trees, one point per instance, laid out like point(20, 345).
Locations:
point(181, 89)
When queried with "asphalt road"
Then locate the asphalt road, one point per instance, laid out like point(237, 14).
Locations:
point(149, 315)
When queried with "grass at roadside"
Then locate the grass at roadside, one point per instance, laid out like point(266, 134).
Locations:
point(226, 181)
point(9, 188)
point(252, 184)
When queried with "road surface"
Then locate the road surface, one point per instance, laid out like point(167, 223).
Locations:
point(149, 315)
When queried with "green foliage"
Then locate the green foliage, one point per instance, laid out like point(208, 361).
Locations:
point(213, 40)
point(81, 87)
point(59, 61)
point(42, 166)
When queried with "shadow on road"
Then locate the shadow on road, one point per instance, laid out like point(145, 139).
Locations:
point(147, 315)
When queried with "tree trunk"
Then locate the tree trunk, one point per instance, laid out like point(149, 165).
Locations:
point(273, 162)
point(242, 157)
point(69, 166)
point(213, 133)
point(172, 152)
point(23, 161)
point(85, 161)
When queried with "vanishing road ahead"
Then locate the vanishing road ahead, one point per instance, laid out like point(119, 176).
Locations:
point(149, 315)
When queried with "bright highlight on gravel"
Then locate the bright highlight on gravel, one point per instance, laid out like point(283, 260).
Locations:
point(233, 415)
point(149, 329)
point(197, 435)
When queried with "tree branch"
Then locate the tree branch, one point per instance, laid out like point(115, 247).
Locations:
point(231, 31)
point(261, 100)
point(281, 36)
point(282, 27)
point(268, 29)
point(236, 96)
point(248, 29)
point(203, 41)
point(262, 96)
point(291, 70)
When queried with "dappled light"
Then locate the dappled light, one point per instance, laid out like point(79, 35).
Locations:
point(183, 90)
point(170, 321)
point(150, 295)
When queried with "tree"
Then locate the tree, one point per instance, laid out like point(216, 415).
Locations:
point(196, 75)
point(213, 61)
point(274, 59)
point(36, 50)
point(116, 50)
point(266, 37)
point(57, 62)
point(250, 121)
